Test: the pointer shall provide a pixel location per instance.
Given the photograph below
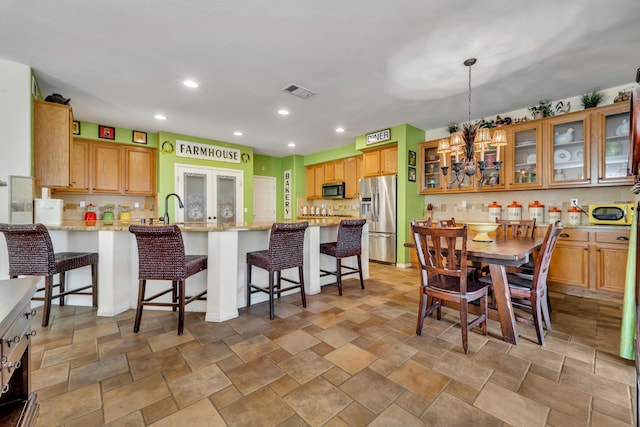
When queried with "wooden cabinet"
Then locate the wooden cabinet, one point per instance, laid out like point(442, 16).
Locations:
point(342, 170)
point(568, 159)
point(314, 180)
point(382, 161)
point(524, 154)
point(338, 170)
point(110, 168)
point(590, 258)
point(352, 177)
point(613, 149)
point(329, 172)
point(52, 136)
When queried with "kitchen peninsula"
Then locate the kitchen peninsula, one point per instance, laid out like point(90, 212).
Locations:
point(226, 247)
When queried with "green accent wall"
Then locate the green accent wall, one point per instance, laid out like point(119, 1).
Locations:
point(331, 154)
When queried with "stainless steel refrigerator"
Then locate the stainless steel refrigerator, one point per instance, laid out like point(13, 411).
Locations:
point(378, 201)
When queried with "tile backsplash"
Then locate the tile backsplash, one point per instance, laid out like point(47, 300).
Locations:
point(343, 207)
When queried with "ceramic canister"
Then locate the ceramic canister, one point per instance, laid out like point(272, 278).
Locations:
point(495, 211)
point(536, 211)
point(514, 211)
point(574, 215)
point(555, 214)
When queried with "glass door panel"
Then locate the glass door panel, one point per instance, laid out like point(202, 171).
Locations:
point(226, 199)
point(525, 171)
point(195, 197)
point(615, 150)
point(570, 153)
point(431, 174)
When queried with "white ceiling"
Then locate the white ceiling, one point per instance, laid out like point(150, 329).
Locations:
point(373, 63)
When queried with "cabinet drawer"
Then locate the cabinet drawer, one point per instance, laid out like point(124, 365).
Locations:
point(14, 343)
point(571, 235)
point(621, 237)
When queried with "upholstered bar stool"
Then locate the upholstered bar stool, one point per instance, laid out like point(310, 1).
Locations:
point(347, 244)
point(161, 256)
point(31, 254)
point(286, 250)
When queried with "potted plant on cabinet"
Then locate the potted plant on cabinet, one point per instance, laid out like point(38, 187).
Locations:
point(592, 98)
point(543, 109)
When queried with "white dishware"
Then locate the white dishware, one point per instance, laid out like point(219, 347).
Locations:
point(562, 155)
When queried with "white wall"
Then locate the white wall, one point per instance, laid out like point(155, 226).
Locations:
point(15, 135)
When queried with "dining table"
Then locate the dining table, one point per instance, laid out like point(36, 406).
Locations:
point(499, 253)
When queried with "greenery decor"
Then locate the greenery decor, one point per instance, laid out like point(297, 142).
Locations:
point(543, 108)
point(592, 98)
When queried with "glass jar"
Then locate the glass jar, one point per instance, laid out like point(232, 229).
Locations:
point(514, 211)
point(555, 214)
point(574, 215)
point(124, 216)
point(107, 215)
point(90, 215)
point(536, 211)
point(495, 211)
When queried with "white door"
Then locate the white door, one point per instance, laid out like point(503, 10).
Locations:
point(264, 198)
point(209, 194)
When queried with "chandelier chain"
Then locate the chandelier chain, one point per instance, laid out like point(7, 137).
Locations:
point(469, 117)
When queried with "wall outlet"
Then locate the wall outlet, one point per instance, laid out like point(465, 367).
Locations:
point(574, 202)
point(463, 204)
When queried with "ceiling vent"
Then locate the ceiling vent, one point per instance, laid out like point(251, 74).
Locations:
point(298, 90)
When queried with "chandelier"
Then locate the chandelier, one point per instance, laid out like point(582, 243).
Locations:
point(464, 144)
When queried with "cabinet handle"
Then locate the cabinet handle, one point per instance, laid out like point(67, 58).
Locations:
point(5, 388)
point(564, 234)
point(4, 359)
point(598, 250)
point(586, 248)
point(16, 365)
point(30, 313)
point(14, 340)
point(30, 334)
point(622, 238)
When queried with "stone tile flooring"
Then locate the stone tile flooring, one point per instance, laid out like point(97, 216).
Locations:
point(352, 360)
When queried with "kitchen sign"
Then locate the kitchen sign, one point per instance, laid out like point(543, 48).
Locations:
point(195, 150)
point(287, 194)
point(380, 136)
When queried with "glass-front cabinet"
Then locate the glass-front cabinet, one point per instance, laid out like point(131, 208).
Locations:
point(525, 152)
point(613, 148)
point(429, 168)
point(492, 176)
point(570, 138)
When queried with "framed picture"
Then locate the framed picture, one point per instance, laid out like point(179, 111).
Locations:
point(106, 132)
point(412, 174)
point(139, 137)
point(76, 127)
point(412, 158)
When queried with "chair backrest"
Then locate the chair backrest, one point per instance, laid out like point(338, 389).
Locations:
point(349, 241)
point(442, 254)
point(544, 257)
point(160, 252)
point(30, 249)
point(286, 245)
point(442, 223)
point(515, 228)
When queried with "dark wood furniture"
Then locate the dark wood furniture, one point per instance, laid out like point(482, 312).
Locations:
point(348, 244)
point(511, 228)
point(161, 256)
point(31, 254)
point(18, 405)
point(286, 250)
point(444, 277)
point(442, 223)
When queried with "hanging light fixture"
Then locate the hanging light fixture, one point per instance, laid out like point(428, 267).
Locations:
point(465, 143)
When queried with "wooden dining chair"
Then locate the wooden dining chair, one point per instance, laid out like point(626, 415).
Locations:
point(444, 277)
point(529, 292)
point(442, 223)
point(515, 228)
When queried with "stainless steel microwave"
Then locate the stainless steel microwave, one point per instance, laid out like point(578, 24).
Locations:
point(334, 190)
point(613, 213)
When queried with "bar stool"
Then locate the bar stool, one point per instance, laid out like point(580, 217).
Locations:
point(31, 254)
point(161, 256)
point(286, 250)
point(348, 244)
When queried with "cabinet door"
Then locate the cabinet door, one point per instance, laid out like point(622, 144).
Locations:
point(611, 267)
point(310, 186)
point(351, 178)
point(329, 172)
point(52, 136)
point(319, 180)
point(107, 168)
point(524, 164)
point(389, 160)
point(371, 163)
point(613, 144)
point(429, 172)
point(570, 137)
point(140, 171)
point(79, 172)
point(570, 264)
point(493, 175)
point(338, 170)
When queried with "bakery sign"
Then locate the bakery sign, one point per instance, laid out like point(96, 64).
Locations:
point(196, 150)
point(379, 136)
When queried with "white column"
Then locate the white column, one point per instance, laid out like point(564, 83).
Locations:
point(222, 276)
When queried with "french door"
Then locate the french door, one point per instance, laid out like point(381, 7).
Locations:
point(209, 194)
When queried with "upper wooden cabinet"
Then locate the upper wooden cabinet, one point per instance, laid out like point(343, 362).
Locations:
point(613, 151)
point(341, 170)
point(382, 161)
point(52, 136)
point(314, 181)
point(569, 138)
point(338, 170)
point(110, 168)
point(524, 168)
point(352, 167)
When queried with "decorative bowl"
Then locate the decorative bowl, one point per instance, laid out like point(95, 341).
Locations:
point(481, 229)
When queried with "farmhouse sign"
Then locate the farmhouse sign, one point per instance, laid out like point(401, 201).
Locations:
point(196, 150)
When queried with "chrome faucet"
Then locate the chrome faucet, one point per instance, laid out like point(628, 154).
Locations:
point(165, 218)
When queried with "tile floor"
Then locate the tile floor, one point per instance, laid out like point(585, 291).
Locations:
point(353, 360)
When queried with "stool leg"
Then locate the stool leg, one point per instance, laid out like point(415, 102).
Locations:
point(278, 282)
point(48, 290)
point(63, 279)
point(271, 306)
point(94, 282)
point(174, 295)
point(360, 271)
point(339, 275)
point(248, 285)
point(301, 276)
point(181, 307)
point(142, 284)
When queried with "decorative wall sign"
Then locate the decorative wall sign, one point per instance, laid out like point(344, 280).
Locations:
point(412, 174)
point(106, 132)
point(139, 137)
point(196, 150)
point(412, 158)
point(76, 127)
point(287, 194)
point(379, 136)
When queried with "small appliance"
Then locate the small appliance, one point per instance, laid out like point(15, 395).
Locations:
point(611, 213)
point(334, 190)
point(49, 211)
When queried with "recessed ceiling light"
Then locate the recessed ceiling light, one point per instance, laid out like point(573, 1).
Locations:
point(160, 117)
point(237, 133)
point(283, 112)
point(339, 130)
point(190, 83)
point(291, 144)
